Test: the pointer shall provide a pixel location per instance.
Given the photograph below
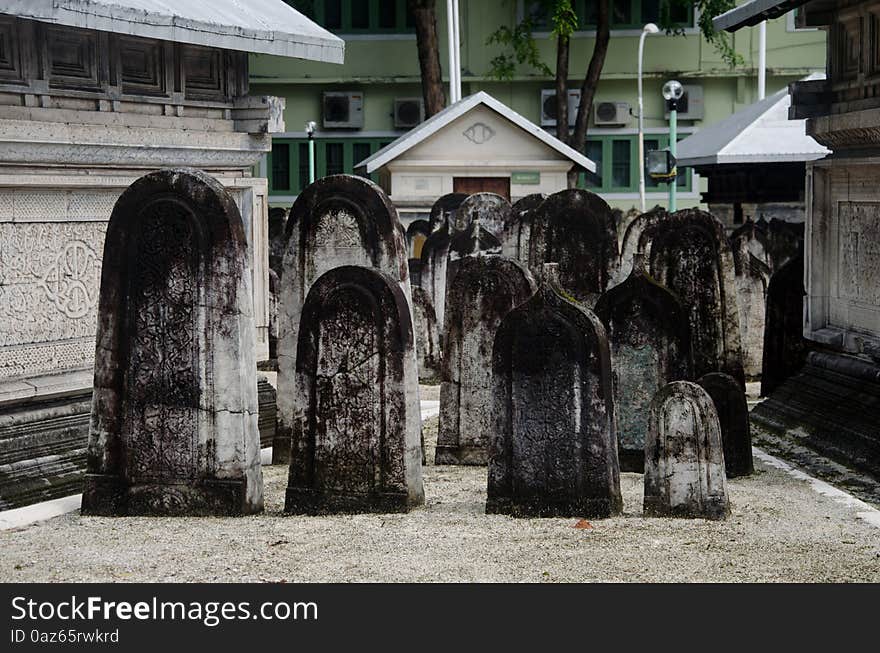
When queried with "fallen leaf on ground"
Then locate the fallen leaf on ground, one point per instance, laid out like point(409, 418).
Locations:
point(583, 523)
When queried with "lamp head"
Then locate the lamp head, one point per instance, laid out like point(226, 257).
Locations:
point(672, 90)
point(650, 28)
point(311, 126)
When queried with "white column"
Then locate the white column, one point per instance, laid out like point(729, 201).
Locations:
point(457, 50)
point(762, 60)
point(450, 33)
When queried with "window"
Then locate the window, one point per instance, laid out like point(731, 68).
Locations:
point(303, 165)
point(335, 156)
point(361, 152)
point(650, 145)
point(620, 163)
point(625, 14)
point(358, 16)
point(594, 154)
point(280, 166)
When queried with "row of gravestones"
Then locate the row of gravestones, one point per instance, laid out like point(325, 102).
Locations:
point(723, 282)
point(174, 420)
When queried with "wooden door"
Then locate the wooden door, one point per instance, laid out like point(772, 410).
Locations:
point(471, 185)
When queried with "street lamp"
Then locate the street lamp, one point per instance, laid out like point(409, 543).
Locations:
point(310, 131)
point(672, 92)
point(650, 28)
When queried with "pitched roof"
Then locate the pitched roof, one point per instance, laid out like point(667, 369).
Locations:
point(439, 120)
point(760, 133)
point(754, 12)
point(265, 26)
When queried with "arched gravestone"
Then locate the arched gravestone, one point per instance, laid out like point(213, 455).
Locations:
point(492, 212)
point(482, 293)
point(752, 274)
point(427, 337)
point(650, 340)
point(575, 229)
point(415, 272)
point(355, 443)
point(174, 413)
point(634, 236)
point(443, 210)
point(733, 417)
point(784, 345)
point(684, 459)
point(338, 220)
point(435, 258)
point(690, 255)
point(553, 451)
point(416, 234)
point(277, 227)
point(516, 246)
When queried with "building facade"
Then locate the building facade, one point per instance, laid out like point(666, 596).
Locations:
point(380, 84)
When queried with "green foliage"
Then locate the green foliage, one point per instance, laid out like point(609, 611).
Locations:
point(520, 48)
point(708, 10)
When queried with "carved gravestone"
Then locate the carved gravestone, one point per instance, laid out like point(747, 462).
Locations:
point(516, 245)
point(684, 458)
point(784, 345)
point(435, 259)
point(492, 212)
point(443, 210)
point(174, 426)
point(427, 337)
point(355, 443)
point(483, 291)
point(416, 233)
point(733, 417)
point(634, 234)
point(752, 274)
point(338, 220)
point(575, 229)
point(649, 335)
point(553, 450)
point(690, 255)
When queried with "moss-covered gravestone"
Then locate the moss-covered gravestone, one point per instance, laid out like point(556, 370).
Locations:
point(427, 337)
point(733, 418)
point(483, 292)
point(553, 448)
point(174, 413)
point(355, 436)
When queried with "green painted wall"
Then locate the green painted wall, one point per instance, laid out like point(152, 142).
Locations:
point(385, 66)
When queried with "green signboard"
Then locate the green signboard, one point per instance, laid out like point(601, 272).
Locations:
point(525, 177)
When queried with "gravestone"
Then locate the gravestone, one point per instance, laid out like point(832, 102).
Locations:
point(443, 210)
point(553, 450)
point(277, 228)
point(575, 229)
point(338, 220)
point(733, 417)
point(684, 457)
point(634, 235)
point(355, 444)
point(416, 233)
point(174, 427)
point(690, 255)
point(516, 245)
point(427, 337)
point(649, 335)
point(415, 272)
point(480, 295)
point(435, 259)
point(785, 349)
point(752, 275)
point(492, 212)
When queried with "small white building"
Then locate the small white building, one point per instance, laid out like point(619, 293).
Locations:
point(477, 144)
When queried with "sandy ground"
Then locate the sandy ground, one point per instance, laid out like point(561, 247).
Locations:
point(780, 530)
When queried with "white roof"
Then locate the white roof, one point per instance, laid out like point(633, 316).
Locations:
point(266, 26)
point(760, 133)
point(439, 120)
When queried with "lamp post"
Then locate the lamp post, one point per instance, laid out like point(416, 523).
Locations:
point(310, 131)
point(650, 28)
point(672, 92)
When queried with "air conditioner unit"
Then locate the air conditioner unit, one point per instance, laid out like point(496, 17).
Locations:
point(343, 109)
point(611, 113)
point(690, 106)
point(548, 106)
point(408, 112)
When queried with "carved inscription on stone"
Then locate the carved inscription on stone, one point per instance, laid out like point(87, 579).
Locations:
point(859, 251)
point(162, 374)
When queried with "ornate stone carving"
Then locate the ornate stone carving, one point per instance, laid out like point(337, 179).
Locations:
point(479, 133)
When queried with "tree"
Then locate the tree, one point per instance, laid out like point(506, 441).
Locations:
point(520, 48)
point(425, 19)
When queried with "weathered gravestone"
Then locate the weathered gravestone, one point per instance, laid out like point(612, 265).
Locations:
point(516, 245)
point(684, 458)
point(575, 230)
point(785, 349)
point(733, 418)
point(443, 210)
point(634, 234)
point(416, 234)
point(553, 451)
point(482, 293)
point(427, 337)
point(752, 274)
point(277, 240)
point(435, 259)
point(649, 335)
point(355, 437)
point(492, 212)
point(690, 255)
point(338, 220)
point(174, 413)
point(415, 272)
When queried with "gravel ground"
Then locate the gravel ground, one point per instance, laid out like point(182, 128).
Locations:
point(780, 530)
